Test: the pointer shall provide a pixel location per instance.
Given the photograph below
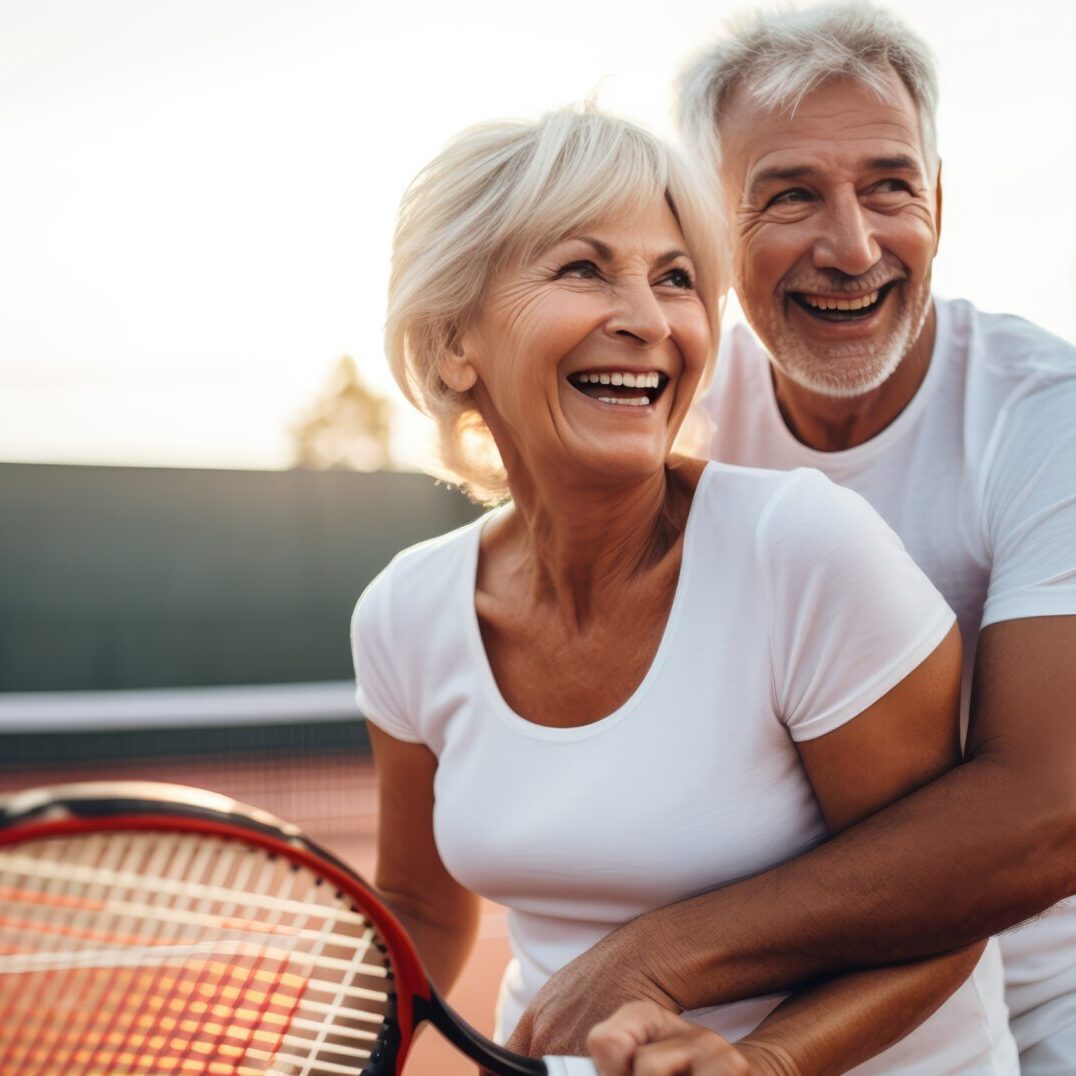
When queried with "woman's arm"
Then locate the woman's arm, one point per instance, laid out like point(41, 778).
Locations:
point(440, 915)
point(836, 1025)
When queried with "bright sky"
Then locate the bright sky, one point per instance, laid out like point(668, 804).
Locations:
point(197, 198)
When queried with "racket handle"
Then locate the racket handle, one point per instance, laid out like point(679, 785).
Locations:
point(569, 1066)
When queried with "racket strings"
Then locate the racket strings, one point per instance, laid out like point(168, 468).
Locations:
point(31, 1047)
point(155, 953)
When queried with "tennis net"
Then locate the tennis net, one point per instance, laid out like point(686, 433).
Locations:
point(299, 751)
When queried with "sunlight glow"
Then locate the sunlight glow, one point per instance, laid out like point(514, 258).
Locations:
point(197, 199)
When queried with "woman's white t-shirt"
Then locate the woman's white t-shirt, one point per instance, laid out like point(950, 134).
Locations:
point(796, 608)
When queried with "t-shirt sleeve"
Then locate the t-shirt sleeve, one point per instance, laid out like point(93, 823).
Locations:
point(1029, 507)
point(374, 647)
point(851, 614)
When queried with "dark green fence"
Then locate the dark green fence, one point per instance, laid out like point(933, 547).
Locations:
point(117, 577)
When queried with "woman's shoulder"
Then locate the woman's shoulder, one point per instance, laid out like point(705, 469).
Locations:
point(761, 484)
point(434, 554)
point(792, 518)
point(776, 498)
point(422, 576)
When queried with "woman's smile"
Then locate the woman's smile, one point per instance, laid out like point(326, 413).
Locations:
point(623, 388)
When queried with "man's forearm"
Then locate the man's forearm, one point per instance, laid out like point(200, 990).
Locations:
point(970, 855)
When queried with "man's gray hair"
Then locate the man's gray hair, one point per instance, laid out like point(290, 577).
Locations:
point(780, 57)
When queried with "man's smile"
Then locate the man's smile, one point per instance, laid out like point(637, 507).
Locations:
point(842, 308)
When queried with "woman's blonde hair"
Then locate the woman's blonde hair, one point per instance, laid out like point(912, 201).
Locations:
point(498, 195)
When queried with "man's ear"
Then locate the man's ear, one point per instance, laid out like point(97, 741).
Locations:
point(455, 366)
point(938, 207)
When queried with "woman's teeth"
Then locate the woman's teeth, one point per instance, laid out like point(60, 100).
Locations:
point(623, 387)
point(625, 378)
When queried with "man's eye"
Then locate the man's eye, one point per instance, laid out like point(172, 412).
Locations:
point(795, 196)
point(678, 278)
point(583, 270)
point(892, 186)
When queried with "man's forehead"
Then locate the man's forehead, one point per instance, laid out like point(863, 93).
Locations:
point(842, 123)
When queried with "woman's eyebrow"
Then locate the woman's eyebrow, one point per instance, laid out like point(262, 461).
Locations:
point(606, 252)
point(603, 250)
point(671, 256)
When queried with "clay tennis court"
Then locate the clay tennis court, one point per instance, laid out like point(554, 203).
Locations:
point(333, 798)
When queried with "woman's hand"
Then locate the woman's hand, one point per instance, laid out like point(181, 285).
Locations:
point(643, 1039)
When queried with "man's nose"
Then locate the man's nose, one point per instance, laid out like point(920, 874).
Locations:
point(847, 240)
point(638, 315)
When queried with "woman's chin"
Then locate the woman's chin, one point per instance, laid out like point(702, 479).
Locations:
point(620, 459)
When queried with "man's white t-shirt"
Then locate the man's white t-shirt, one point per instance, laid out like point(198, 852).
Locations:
point(978, 477)
point(795, 610)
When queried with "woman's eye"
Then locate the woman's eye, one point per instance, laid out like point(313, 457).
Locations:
point(678, 278)
point(582, 269)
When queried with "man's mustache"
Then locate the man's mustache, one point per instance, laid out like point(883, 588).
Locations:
point(833, 282)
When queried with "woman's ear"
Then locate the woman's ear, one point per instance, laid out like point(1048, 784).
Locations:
point(938, 206)
point(455, 366)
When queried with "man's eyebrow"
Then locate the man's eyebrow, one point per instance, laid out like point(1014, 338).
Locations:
point(781, 175)
point(899, 162)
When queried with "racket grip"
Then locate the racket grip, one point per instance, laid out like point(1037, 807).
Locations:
point(569, 1066)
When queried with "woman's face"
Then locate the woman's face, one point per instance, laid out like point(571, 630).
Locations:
point(589, 356)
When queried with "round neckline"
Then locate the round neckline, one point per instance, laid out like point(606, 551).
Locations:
point(858, 454)
point(555, 733)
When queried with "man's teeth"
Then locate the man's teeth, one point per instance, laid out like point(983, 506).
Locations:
point(628, 380)
point(630, 401)
point(841, 304)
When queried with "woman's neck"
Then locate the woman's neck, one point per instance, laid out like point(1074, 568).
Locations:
point(580, 547)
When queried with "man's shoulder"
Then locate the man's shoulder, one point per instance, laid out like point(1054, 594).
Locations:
point(1017, 382)
point(741, 377)
point(740, 344)
point(1004, 347)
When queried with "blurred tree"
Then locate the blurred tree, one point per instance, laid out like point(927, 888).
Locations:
point(347, 427)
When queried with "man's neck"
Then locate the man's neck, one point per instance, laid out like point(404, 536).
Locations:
point(831, 424)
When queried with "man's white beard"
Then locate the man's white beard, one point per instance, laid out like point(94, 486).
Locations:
point(861, 369)
point(844, 371)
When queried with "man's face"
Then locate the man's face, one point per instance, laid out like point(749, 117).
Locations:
point(835, 222)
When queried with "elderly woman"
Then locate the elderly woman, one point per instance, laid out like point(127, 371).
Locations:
point(642, 676)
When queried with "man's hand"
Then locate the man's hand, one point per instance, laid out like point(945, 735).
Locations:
point(586, 991)
point(644, 1039)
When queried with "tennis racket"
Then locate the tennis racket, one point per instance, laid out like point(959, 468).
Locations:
point(151, 928)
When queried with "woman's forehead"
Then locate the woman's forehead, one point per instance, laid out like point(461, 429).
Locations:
point(622, 227)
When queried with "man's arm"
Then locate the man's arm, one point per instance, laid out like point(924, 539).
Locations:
point(832, 1026)
point(986, 846)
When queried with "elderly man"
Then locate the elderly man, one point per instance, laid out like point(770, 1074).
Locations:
point(960, 429)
